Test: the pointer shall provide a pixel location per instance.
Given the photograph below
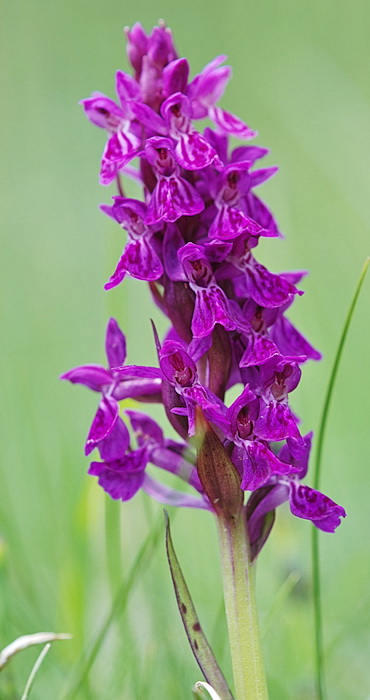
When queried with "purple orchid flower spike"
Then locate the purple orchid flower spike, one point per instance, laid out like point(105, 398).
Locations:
point(192, 238)
point(139, 258)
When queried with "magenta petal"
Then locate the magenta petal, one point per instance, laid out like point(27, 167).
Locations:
point(122, 478)
point(116, 443)
point(115, 344)
point(298, 458)
point(211, 307)
point(127, 88)
point(120, 149)
point(176, 365)
point(104, 421)
point(173, 197)
point(231, 124)
point(208, 86)
point(172, 241)
point(256, 466)
point(259, 463)
point(108, 171)
point(259, 349)
point(102, 111)
point(140, 260)
point(313, 505)
point(261, 502)
point(246, 398)
point(260, 213)
point(118, 275)
point(149, 118)
point(276, 422)
point(171, 497)
point(251, 153)
point(175, 77)
point(260, 176)
point(141, 371)
point(230, 222)
point(193, 152)
point(267, 289)
point(93, 376)
point(290, 341)
point(145, 428)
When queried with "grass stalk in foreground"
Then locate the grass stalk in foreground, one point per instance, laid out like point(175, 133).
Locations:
point(319, 647)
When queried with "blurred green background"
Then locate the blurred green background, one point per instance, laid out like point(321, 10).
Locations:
point(301, 79)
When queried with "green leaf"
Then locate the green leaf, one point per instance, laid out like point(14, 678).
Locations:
point(197, 640)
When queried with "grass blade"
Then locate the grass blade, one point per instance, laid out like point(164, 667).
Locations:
point(319, 647)
point(118, 606)
point(35, 668)
point(197, 640)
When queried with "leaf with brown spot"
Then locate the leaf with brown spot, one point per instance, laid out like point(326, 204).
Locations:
point(197, 640)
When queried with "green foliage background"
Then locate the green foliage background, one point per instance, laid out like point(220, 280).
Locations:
point(301, 79)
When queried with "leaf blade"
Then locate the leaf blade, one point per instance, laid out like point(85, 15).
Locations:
point(199, 645)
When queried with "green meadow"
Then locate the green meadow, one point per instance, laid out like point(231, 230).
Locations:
point(71, 560)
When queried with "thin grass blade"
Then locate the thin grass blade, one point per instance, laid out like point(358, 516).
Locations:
point(319, 646)
point(33, 673)
point(197, 640)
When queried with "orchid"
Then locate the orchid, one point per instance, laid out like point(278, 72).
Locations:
point(191, 239)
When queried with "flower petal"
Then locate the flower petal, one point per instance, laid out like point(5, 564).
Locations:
point(114, 446)
point(231, 124)
point(115, 344)
point(313, 505)
point(173, 197)
point(171, 497)
point(276, 422)
point(103, 423)
point(211, 307)
point(93, 376)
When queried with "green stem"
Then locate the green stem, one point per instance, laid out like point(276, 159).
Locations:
point(319, 644)
point(241, 611)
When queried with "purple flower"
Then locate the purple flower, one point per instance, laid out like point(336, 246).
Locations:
point(304, 501)
point(173, 196)
point(206, 89)
point(111, 386)
point(211, 304)
point(139, 258)
point(192, 238)
point(124, 140)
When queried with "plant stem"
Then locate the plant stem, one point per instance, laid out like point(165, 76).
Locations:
point(241, 611)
